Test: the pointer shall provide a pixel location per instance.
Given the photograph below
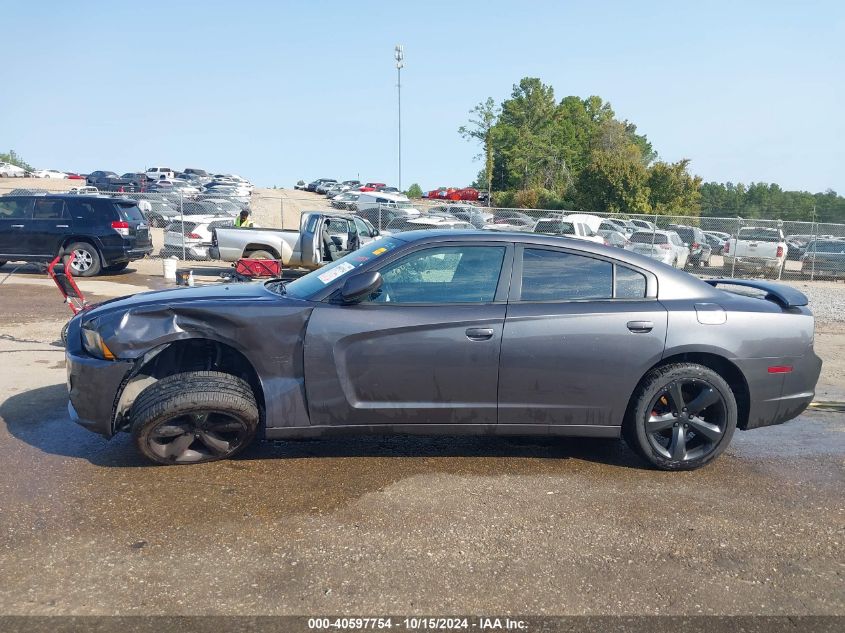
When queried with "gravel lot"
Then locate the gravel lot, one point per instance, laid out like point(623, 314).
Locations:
point(406, 525)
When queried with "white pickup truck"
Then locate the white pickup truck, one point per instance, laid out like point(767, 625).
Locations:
point(576, 225)
point(757, 249)
point(322, 238)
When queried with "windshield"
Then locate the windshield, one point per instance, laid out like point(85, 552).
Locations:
point(316, 280)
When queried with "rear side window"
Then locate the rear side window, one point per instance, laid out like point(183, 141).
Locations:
point(629, 283)
point(130, 212)
point(558, 276)
point(47, 209)
point(16, 208)
point(81, 209)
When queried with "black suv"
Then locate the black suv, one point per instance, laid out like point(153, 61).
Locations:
point(694, 238)
point(104, 233)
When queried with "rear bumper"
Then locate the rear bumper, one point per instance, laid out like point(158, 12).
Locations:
point(118, 256)
point(752, 263)
point(777, 400)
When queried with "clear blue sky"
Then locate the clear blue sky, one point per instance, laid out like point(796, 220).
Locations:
point(277, 91)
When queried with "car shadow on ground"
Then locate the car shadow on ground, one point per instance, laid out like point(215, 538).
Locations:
point(39, 418)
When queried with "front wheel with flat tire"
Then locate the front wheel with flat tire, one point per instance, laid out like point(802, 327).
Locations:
point(194, 417)
point(682, 416)
point(86, 260)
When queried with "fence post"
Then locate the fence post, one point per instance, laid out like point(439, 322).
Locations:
point(281, 211)
point(736, 243)
point(182, 220)
point(815, 229)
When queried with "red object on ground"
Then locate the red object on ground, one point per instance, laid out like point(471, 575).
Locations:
point(259, 268)
point(67, 286)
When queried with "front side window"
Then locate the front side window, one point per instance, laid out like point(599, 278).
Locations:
point(443, 275)
point(549, 275)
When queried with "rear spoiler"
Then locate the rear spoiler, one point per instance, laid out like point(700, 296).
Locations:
point(787, 296)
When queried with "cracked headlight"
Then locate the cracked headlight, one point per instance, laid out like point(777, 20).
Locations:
point(94, 344)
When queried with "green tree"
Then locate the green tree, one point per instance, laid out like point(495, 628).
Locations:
point(615, 180)
point(414, 191)
point(672, 190)
point(481, 124)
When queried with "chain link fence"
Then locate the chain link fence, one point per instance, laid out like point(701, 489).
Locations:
point(182, 226)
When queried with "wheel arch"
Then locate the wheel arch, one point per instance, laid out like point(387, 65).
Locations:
point(87, 239)
point(722, 366)
point(255, 246)
point(184, 355)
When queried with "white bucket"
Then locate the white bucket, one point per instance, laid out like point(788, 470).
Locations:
point(168, 266)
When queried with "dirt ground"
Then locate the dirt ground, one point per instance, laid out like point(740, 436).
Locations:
point(401, 525)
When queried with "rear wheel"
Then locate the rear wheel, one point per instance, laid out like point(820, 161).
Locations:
point(86, 261)
point(194, 417)
point(682, 417)
point(261, 255)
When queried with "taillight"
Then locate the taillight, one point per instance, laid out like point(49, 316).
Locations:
point(780, 252)
point(727, 248)
point(193, 236)
point(696, 245)
point(121, 227)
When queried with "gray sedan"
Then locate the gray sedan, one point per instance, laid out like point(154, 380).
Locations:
point(448, 332)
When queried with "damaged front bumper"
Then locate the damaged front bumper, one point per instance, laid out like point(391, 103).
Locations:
point(92, 385)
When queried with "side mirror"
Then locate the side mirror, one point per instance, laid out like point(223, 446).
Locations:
point(360, 286)
point(376, 232)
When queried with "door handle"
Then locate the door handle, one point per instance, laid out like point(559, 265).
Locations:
point(640, 326)
point(17, 226)
point(61, 226)
point(479, 333)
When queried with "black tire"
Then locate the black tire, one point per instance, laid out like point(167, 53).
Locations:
point(194, 417)
point(261, 255)
point(87, 262)
point(116, 268)
point(64, 333)
point(683, 439)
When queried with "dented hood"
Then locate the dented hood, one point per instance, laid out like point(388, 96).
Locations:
point(132, 325)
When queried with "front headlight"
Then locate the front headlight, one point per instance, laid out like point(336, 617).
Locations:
point(94, 344)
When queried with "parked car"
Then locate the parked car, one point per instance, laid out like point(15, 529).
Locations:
point(7, 170)
point(614, 238)
point(388, 190)
point(346, 200)
point(322, 238)
point(560, 337)
point(324, 186)
point(381, 217)
point(516, 219)
point(694, 239)
point(612, 224)
point(100, 179)
point(664, 246)
point(371, 186)
point(479, 218)
point(643, 225)
point(824, 258)
point(312, 186)
point(49, 173)
point(192, 236)
point(83, 191)
point(565, 225)
point(757, 249)
point(159, 173)
point(103, 233)
point(716, 242)
point(74, 176)
point(158, 213)
point(427, 222)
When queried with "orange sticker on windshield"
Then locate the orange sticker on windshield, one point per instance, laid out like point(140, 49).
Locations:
point(379, 251)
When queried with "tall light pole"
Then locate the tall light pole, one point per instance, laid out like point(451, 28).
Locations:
point(399, 56)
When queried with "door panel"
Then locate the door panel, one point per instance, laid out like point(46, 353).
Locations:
point(403, 364)
point(49, 227)
point(578, 362)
